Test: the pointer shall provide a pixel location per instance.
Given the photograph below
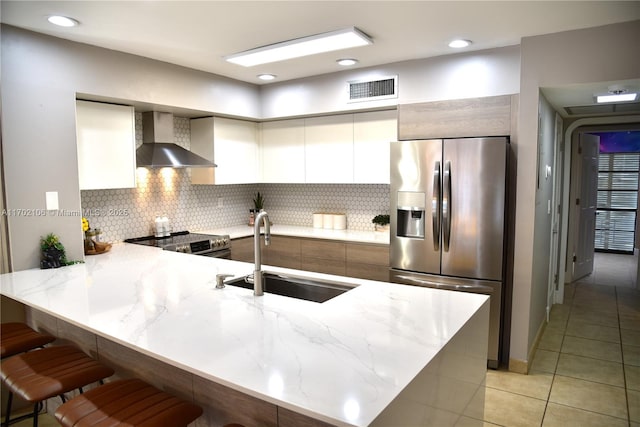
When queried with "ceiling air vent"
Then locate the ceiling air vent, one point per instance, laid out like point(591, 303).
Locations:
point(367, 90)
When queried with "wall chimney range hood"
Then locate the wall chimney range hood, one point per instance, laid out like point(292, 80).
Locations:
point(158, 149)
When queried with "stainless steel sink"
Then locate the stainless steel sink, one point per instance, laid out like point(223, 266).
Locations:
point(296, 287)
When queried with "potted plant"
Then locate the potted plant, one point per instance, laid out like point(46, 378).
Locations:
point(381, 222)
point(258, 202)
point(53, 252)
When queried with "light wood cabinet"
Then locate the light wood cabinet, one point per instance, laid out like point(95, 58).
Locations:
point(242, 249)
point(486, 116)
point(106, 145)
point(232, 145)
point(282, 145)
point(323, 256)
point(367, 261)
point(287, 418)
point(328, 145)
point(283, 252)
point(223, 405)
point(373, 132)
point(361, 260)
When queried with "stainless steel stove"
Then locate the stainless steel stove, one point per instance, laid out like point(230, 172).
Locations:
point(217, 246)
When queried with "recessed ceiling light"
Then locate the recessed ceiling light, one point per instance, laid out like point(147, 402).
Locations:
point(345, 62)
point(266, 76)
point(459, 43)
point(319, 43)
point(620, 97)
point(62, 21)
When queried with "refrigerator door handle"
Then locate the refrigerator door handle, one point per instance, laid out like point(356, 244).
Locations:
point(446, 207)
point(435, 207)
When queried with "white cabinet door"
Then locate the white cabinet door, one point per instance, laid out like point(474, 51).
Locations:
point(106, 145)
point(283, 152)
point(236, 151)
point(202, 145)
point(231, 144)
point(329, 149)
point(372, 134)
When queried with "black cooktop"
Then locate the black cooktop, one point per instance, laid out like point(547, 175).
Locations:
point(177, 238)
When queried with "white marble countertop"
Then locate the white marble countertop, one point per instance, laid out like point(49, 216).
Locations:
point(357, 236)
point(342, 361)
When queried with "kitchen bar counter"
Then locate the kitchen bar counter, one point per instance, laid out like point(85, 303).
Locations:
point(376, 353)
point(358, 236)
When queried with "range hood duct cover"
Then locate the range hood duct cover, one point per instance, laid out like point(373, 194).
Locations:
point(158, 149)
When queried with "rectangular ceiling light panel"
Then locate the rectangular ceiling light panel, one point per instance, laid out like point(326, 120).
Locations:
point(319, 43)
point(616, 98)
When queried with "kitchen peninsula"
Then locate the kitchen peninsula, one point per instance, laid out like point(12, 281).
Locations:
point(378, 355)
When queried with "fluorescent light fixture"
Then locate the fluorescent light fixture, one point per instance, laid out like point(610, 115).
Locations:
point(62, 21)
point(346, 62)
point(621, 97)
point(460, 43)
point(266, 76)
point(319, 43)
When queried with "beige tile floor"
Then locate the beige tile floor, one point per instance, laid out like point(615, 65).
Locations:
point(586, 371)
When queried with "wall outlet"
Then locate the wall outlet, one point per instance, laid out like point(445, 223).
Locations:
point(220, 202)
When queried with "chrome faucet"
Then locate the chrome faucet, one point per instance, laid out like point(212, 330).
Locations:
point(257, 270)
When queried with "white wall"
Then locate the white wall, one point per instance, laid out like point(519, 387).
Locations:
point(40, 78)
point(583, 56)
point(543, 218)
point(467, 75)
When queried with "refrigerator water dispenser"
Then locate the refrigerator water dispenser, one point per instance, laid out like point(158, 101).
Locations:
point(411, 213)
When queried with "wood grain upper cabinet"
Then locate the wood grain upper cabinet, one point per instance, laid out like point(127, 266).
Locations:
point(328, 147)
point(458, 118)
point(283, 152)
point(234, 147)
point(372, 134)
point(106, 145)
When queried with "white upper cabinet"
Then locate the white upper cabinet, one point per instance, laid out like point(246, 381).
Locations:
point(283, 159)
point(106, 145)
point(229, 143)
point(329, 149)
point(372, 134)
point(202, 145)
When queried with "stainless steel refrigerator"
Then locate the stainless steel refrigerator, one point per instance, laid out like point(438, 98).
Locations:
point(448, 199)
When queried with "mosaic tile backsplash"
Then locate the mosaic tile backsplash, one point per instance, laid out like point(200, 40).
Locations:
point(130, 212)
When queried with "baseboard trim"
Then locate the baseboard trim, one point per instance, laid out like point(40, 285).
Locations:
point(523, 366)
point(518, 366)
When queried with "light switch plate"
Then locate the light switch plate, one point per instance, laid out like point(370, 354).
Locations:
point(51, 200)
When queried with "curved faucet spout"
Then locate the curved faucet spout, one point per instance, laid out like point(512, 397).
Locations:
point(262, 217)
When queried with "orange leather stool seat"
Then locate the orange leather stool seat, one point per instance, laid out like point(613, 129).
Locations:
point(41, 374)
point(17, 338)
point(130, 402)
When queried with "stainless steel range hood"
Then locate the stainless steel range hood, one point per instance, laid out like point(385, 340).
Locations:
point(158, 149)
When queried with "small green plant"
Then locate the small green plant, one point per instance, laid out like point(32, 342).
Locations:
point(381, 219)
point(53, 252)
point(258, 202)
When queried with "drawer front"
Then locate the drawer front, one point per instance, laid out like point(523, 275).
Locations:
point(368, 271)
point(284, 246)
point(323, 250)
point(368, 254)
point(242, 249)
point(323, 266)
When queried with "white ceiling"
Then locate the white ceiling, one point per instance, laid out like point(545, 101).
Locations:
point(198, 34)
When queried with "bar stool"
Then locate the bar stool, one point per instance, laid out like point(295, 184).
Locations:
point(16, 337)
point(130, 402)
point(41, 374)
